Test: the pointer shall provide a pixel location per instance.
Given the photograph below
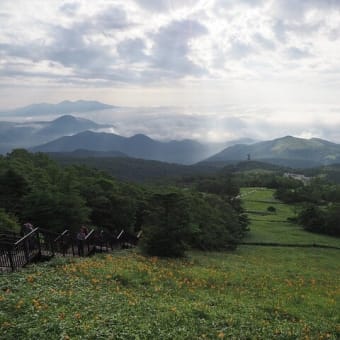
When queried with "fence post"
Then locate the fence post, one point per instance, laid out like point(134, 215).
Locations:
point(63, 245)
point(26, 251)
point(52, 246)
point(72, 244)
point(38, 243)
point(10, 257)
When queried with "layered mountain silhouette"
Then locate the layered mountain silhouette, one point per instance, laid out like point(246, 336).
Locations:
point(84, 138)
point(64, 107)
point(137, 146)
point(14, 135)
point(286, 151)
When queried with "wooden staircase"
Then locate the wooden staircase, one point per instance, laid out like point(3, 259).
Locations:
point(40, 245)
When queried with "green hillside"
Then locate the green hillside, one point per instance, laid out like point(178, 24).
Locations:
point(252, 293)
point(286, 151)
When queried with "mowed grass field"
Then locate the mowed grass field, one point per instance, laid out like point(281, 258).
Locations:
point(274, 227)
point(251, 293)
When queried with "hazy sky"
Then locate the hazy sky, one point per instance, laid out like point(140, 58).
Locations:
point(219, 69)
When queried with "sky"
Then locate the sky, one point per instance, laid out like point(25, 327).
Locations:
point(204, 69)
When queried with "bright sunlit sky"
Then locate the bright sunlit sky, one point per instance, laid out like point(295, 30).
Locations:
point(209, 70)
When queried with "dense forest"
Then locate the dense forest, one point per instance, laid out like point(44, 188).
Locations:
point(202, 214)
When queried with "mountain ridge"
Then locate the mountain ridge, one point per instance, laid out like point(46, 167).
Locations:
point(283, 151)
point(64, 107)
point(27, 134)
point(137, 146)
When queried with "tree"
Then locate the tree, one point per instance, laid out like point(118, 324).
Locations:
point(332, 226)
point(13, 186)
point(312, 218)
point(8, 223)
point(167, 225)
point(55, 210)
point(217, 224)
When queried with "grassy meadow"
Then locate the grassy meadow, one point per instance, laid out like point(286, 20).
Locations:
point(251, 293)
point(273, 226)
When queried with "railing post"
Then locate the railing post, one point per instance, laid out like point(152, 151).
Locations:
point(72, 245)
point(26, 251)
point(38, 242)
point(10, 258)
point(52, 246)
point(63, 245)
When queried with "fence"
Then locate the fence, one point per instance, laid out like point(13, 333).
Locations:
point(38, 244)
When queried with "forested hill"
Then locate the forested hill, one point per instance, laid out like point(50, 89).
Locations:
point(131, 169)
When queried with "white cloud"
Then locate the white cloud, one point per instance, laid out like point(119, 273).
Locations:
point(174, 52)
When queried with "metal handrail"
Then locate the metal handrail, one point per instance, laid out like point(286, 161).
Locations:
point(26, 236)
point(21, 252)
point(88, 235)
point(61, 235)
point(120, 234)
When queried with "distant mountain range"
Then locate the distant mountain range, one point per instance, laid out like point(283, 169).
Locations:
point(287, 151)
point(137, 146)
point(85, 138)
point(24, 135)
point(65, 107)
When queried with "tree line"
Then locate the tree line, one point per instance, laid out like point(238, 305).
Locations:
point(202, 215)
point(319, 202)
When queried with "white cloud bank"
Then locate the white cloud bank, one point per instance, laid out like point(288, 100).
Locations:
point(278, 56)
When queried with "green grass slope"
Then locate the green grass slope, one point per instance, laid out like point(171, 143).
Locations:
point(252, 293)
point(274, 227)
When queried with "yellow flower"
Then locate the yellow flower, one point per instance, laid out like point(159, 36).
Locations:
point(19, 304)
point(30, 278)
point(221, 335)
point(154, 259)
